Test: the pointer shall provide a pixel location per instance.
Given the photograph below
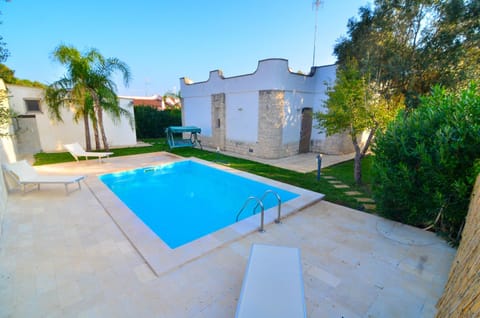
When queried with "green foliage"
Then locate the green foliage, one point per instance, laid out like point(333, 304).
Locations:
point(5, 114)
point(347, 109)
point(4, 121)
point(151, 123)
point(410, 45)
point(88, 87)
point(8, 76)
point(354, 106)
point(427, 160)
point(4, 53)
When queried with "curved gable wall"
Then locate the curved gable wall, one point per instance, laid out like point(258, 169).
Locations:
point(245, 117)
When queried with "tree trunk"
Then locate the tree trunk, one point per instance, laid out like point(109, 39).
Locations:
point(98, 109)
point(357, 165)
point(360, 153)
point(86, 125)
point(357, 168)
point(102, 129)
point(95, 134)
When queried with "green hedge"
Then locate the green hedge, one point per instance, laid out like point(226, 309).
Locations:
point(151, 123)
point(427, 161)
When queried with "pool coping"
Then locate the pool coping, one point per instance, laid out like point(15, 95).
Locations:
point(157, 254)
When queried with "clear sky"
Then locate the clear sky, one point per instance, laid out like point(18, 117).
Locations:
point(164, 40)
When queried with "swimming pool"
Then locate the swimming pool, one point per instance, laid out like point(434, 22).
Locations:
point(186, 200)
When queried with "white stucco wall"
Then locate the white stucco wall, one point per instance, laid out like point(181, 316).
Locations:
point(197, 112)
point(120, 132)
point(242, 116)
point(295, 101)
point(54, 134)
point(242, 99)
point(325, 76)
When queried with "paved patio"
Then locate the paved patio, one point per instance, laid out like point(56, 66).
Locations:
point(63, 256)
point(303, 162)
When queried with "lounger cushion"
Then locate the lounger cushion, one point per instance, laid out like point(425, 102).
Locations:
point(26, 174)
point(273, 284)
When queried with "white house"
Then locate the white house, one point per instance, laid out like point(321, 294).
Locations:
point(267, 114)
point(33, 130)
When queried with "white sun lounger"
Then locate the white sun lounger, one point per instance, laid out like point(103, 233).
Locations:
point(77, 151)
point(25, 174)
point(273, 284)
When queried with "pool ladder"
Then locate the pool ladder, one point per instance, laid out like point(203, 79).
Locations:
point(260, 203)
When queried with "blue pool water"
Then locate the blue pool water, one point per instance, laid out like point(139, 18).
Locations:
point(186, 200)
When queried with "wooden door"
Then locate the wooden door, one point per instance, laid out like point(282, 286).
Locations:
point(305, 130)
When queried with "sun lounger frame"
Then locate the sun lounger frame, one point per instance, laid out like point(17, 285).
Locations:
point(25, 175)
point(77, 151)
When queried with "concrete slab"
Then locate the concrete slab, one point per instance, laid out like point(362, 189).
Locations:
point(64, 256)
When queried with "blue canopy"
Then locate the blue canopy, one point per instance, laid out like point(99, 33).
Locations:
point(192, 141)
point(182, 129)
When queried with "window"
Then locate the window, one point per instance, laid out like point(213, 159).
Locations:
point(33, 105)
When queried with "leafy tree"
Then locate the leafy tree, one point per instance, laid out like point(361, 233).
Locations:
point(410, 45)
point(8, 76)
point(354, 107)
point(5, 114)
point(4, 53)
point(426, 163)
point(453, 46)
point(89, 87)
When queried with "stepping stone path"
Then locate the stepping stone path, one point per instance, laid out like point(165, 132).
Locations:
point(365, 200)
point(353, 193)
point(368, 203)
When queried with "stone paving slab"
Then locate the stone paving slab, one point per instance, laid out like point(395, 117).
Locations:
point(341, 186)
point(365, 200)
point(334, 181)
point(353, 193)
point(63, 256)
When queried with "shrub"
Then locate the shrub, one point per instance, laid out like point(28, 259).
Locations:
point(151, 123)
point(426, 161)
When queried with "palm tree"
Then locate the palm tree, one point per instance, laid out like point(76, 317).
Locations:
point(87, 82)
point(102, 90)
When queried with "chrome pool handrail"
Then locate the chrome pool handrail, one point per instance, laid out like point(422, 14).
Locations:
point(279, 200)
point(259, 202)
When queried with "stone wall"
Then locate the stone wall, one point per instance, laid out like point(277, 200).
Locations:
point(282, 94)
point(337, 144)
point(461, 297)
point(270, 123)
point(218, 121)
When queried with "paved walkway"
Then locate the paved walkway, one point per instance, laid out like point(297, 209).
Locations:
point(304, 162)
point(63, 256)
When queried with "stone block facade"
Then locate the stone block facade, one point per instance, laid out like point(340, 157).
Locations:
point(270, 122)
point(219, 124)
point(264, 110)
point(337, 144)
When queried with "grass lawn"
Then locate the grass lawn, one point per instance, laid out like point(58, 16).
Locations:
point(342, 172)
